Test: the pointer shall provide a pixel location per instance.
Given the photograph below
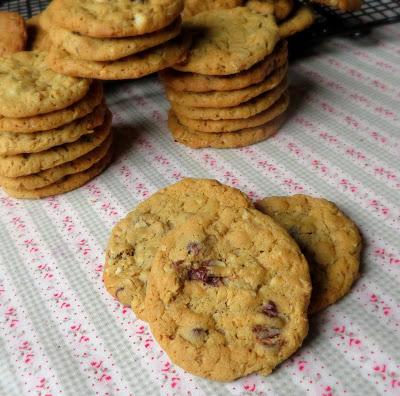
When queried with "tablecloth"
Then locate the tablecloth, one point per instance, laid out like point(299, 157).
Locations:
point(62, 334)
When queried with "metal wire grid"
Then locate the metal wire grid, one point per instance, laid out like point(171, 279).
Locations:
point(329, 22)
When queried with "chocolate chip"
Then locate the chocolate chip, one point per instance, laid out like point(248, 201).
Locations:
point(270, 309)
point(197, 331)
point(268, 336)
point(201, 274)
point(193, 248)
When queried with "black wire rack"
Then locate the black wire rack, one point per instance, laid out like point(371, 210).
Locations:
point(329, 22)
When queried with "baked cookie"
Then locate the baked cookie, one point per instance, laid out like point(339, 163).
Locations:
point(194, 7)
point(280, 8)
point(302, 19)
point(116, 18)
point(181, 81)
point(38, 37)
point(227, 98)
point(55, 119)
point(12, 33)
point(30, 88)
point(26, 164)
point(329, 239)
point(228, 294)
point(344, 5)
point(222, 126)
point(136, 238)
point(22, 143)
point(65, 184)
point(107, 49)
point(134, 66)
point(242, 138)
point(228, 41)
point(244, 110)
point(52, 175)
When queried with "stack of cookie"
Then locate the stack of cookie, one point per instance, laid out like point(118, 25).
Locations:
point(114, 40)
point(232, 90)
point(223, 286)
point(54, 130)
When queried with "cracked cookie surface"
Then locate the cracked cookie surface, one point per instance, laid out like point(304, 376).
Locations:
point(329, 239)
point(228, 294)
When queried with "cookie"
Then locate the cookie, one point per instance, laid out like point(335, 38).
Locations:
point(244, 110)
point(12, 33)
point(38, 37)
point(22, 143)
point(227, 98)
point(107, 49)
point(330, 241)
point(65, 184)
point(136, 238)
point(56, 118)
point(30, 88)
point(344, 5)
point(194, 7)
point(52, 175)
point(302, 19)
point(228, 294)
point(119, 18)
point(280, 8)
point(26, 164)
point(222, 126)
point(242, 138)
point(193, 82)
point(228, 41)
point(134, 66)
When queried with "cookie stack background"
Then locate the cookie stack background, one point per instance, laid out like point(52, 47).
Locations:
point(232, 90)
point(226, 291)
point(55, 131)
point(114, 40)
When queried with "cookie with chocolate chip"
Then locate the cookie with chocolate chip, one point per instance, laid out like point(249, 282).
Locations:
point(136, 238)
point(228, 294)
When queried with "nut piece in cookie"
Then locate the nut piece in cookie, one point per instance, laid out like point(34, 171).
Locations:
point(12, 33)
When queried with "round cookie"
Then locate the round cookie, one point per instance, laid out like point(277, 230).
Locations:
point(55, 119)
point(12, 33)
point(227, 98)
point(134, 66)
point(228, 41)
point(26, 164)
point(116, 18)
point(22, 143)
point(31, 88)
point(242, 138)
point(244, 110)
point(329, 239)
point(107, 49)
point(193, 82)
point(302, 19)
point(228, 294)
point(194, 7)
point(51, 175)
point(222, 126)
point(64, 185)
point(136, 238)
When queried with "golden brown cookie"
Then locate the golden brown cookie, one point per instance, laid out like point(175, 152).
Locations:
point(116, 18)
point(134, 66)
point(193, 82)
point(244, 137)
point(222, 126)
point(194, 7)
point(280, 8)
point(302, 19)
point(228, 41)
point(66, 184)
point(244, 110)
point(12, 33)
point(330, 241)
point(228, 294)
point(55, 119)
point(227, 98)
point(52, 175)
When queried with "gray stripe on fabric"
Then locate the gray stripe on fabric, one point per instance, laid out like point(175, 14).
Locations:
point(10, 384)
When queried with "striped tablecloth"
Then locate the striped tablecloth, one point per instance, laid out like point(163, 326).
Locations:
point(62, 334)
